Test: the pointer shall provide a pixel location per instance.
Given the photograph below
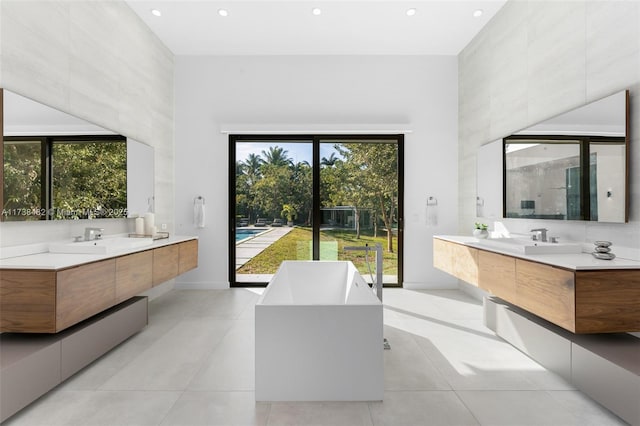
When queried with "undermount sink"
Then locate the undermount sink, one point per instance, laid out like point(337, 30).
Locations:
point(102, 246)
point(525, 246)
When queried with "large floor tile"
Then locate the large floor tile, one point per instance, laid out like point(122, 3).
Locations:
point(172, 362)
point(217, 408)
point(231, 366)
point(425, 408)
point(589, 412)
point(524, 408)
point(469, 356)
point(104, 368)
point(319, 414)
point(225, 304)
point(102, 408)
point(406, 367)
point(442, 304)
point(176, 303)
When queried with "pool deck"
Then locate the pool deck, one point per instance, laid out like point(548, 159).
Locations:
point(250, 248)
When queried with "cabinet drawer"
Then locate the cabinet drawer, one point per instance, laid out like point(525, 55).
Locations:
point(134, 274)
point(546, 291)
point(28, 301)
point(465, 263)
point(188, 255)
point(607, 301)
point(497, 275)
point(165, 263)
point(84, 291)
point(442, 255)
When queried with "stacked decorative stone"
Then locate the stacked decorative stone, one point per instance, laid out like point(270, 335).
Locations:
point(603, 250)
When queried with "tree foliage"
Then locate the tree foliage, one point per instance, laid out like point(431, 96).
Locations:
point(87, 180)
point(22, 180)
point(362, 175)
point(371, 180)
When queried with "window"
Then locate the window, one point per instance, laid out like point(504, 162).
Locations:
point(307, 197)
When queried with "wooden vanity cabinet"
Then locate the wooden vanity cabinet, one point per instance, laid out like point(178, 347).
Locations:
point(456, 259)
point(84, 291)
point(28, 301)
point(546, 291)
point(590, 301)
point(497, 275)
point(465, 263)
point(134, 274)
point(442, 258)
point(49, 301)
point(165, 263)
point(607, 300)
point(187, 256)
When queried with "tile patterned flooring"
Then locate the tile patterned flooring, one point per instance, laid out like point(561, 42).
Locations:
point(194, 365)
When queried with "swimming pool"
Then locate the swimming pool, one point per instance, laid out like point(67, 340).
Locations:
point(242, 234)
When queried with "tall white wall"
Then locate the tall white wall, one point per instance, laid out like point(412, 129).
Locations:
point(315, 92)
point(534, 60)
point(96, 60)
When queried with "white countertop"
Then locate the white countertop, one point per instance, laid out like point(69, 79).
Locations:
point(57, 261)
point(576, 262)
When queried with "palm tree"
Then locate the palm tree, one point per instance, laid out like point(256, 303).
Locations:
point(251, 167)
point(276, 156)
point(331, 161)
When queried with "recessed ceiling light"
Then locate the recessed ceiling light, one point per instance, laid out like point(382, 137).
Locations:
point(223, 12)
point(411, 12)
point(156, 12)
point(477, 13)
point(316, 11)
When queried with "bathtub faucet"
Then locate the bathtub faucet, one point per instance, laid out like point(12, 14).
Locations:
point(378, 249)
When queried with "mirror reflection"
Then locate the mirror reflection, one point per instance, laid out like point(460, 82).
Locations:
point(57, 166)
point(572, 167)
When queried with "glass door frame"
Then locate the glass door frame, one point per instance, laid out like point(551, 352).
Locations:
point(315, 140)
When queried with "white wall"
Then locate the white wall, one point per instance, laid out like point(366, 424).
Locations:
point(98, 61)
point(315, 92)
point(534, 60)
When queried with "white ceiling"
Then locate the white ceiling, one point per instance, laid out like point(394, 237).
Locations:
point(345, 27)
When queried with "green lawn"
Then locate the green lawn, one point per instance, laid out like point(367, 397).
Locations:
point(296, 245)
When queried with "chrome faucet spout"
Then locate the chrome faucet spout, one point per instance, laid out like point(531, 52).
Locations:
point(543, 233)
point(93, 233)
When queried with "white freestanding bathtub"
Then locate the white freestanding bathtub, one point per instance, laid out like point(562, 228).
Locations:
point(319, 335)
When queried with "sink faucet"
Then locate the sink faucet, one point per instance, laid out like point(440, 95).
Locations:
point(93, 233)
point(543, 233)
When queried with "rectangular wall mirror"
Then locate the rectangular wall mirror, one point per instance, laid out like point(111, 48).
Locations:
point(57, 166)
point(571, 167)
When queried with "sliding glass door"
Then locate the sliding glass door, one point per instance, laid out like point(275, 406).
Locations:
point(359, 203)
point(273, 205)
point(308, 197)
